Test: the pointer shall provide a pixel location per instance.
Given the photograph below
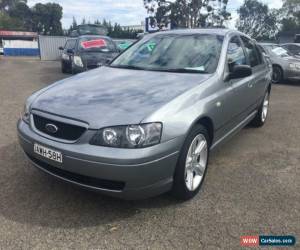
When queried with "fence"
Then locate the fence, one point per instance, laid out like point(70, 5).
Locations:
point(49, 47)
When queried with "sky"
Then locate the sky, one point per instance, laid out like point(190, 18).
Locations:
point(125, 12)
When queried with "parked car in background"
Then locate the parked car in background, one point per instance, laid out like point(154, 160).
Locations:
point(145, 124)
point(293, 48)
point(87, 52)
point(285, 65)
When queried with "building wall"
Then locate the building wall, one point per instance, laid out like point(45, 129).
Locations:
point(49, 47)
point(20, 48)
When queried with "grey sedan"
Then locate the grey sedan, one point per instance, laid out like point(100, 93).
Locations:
point(285, 65)
point(145, 124)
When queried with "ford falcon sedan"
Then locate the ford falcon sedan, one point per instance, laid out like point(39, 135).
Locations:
point(145, 124)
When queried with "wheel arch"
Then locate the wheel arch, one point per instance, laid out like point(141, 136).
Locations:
point(280, 67)
point(207, 122)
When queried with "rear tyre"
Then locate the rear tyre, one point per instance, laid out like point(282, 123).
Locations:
point(277, 75)
point(262, 114)
point(192, 164)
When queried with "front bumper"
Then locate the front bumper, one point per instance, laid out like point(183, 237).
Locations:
point(292, 74)
point(123, 173)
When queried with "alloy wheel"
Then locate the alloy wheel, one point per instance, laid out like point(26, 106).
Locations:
point(265, 107)
point(196, 162)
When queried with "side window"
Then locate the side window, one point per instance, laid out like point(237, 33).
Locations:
point(251, 50)
point(235, 53)
point(70, 44)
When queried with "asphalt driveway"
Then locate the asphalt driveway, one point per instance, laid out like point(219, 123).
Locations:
point(252, 186)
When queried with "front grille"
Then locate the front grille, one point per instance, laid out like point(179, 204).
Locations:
point(78, 178)
point(65, 131)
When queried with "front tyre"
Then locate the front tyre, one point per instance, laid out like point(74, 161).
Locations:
point(277, 75)
point(192, 164)
point(263, 111)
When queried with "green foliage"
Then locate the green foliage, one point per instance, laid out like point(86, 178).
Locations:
point(9, 23)
point(256, 20)
point(42, 18)
point(113, 30)
point(6, 5)
point(291, 16)
point(21, 12)
point(46, 18)
point(188, 13)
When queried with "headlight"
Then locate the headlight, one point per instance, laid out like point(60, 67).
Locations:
point(295, 66)
point(26, 112)
point(129, 136)
point(78, 61)
point(65, 56)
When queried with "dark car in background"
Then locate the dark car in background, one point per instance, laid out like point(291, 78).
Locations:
point(87, 52)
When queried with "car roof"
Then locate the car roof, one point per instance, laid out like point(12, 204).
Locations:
point(216, 31)
point(297, 44)
point(92, 36)
point(269, 44)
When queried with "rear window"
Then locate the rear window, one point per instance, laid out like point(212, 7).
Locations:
point(96, 44)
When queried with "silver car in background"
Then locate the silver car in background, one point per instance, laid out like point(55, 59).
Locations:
point(145, 124)
point(285, 65)
point(293, 48)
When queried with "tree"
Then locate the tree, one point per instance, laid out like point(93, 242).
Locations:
point(6, 5)
point(9, 23)
point(46, 18)
point(257, 21)
point(21, 12)
point(290, 13)
point(188, 13)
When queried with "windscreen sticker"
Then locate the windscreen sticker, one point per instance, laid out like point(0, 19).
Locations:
point(93, 44)
point(151, 46)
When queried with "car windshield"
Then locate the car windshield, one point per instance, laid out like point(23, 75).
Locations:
point(280, 51)
point(197, 53)
point(96, 44)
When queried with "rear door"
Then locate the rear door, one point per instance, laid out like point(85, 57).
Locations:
point(260, 72)
point(241, 92)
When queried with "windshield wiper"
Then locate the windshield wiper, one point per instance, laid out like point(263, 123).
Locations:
point(183, 70)
point(127, 67)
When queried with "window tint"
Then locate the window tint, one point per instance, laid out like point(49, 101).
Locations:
point(251, 52)
point(235, 53)
point(70, 44)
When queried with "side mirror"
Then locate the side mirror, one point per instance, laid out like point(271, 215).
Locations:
point(70, 51)
point(61, 48)
point(240, 71)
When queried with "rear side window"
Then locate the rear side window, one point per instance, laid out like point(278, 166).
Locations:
point(252, 52)
point(235, 53)
point(70, 44)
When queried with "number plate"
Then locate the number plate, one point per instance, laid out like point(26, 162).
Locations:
point(48, 153)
